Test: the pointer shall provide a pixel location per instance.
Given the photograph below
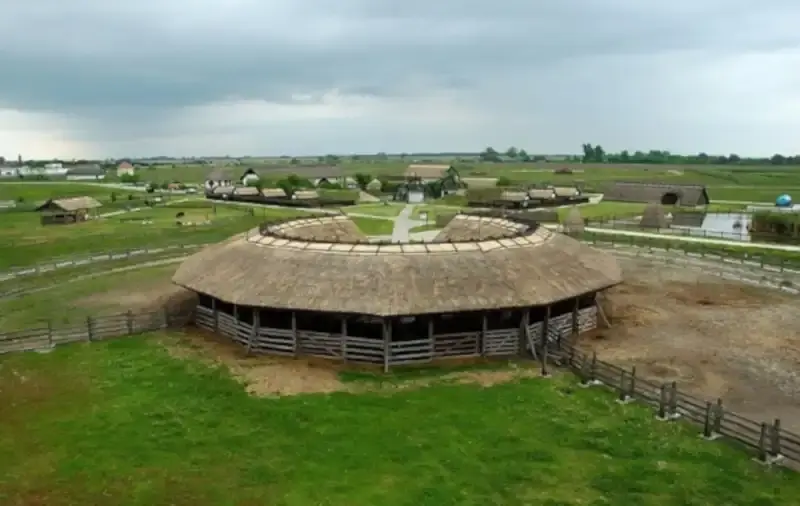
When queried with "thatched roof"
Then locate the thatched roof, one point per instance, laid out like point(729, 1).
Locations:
point(306, 194)
point(273, 192)
point(514, 196)
point(223, 190)
point(427, 171)
point(246, 191)
point(71, 204)
point(540, 194)
point(566, 191)
point(573, 223)
point(682, 194)
point(269, 269)
point(479, 182)
point(326, 229)
point(653, 216)
point(463, 227)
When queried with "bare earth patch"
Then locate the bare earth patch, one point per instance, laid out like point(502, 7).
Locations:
point(277, 376)
point(151, 296)
point(716, 338)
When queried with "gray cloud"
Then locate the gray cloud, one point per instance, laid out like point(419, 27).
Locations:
point(607, 62)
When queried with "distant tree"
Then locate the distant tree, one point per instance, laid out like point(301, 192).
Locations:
point(294, 161)
point(490, 155)
point(523, 156)
point(362, 180)
point(130, 178)
point(503, 181)
point(512, 152)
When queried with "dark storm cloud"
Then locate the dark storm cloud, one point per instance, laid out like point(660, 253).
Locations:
point(74, 55)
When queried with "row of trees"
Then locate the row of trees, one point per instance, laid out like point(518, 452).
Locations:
point(596, 154)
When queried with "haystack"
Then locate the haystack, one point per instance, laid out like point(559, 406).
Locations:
point(573, 224)
point(653, 216)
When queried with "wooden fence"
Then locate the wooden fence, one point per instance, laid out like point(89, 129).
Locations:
point(357, 349)
point(49, 335)
point(743, 254)
point(771, 442)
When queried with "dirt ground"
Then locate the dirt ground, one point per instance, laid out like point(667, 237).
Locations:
point(716, 338)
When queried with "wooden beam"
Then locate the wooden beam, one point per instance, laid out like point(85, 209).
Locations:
point(256, 327)
point(575, 317)
point(601, 315)
point(387, 339)
point(545, 330)
point(523, 331)
point(216, 315)
point(344, 339)
point(484, 328)
point(295, 343)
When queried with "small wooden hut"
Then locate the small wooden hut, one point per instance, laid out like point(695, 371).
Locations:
point(67, 210)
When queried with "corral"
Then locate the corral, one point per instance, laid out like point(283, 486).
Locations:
point(484, 287)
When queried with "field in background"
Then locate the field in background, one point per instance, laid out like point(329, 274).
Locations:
point(90, 420)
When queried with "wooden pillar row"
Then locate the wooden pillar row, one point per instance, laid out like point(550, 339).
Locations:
point(575, 311)
point(387, 339)
point(545, 340)
point(523, 332)
point(295, 343)
point(484, 328)
point(255, 329)
point(344, 339)
point(216, 314)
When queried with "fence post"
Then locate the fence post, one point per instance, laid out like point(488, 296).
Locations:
point(763, 457)
point(583, 371)
point(662, 403)
point(89, 328)
point(707, 431)
point(593, 369)
point(632, 386)
point(775, 440)
point(50, 333)
point(719, 412)
point(623, 395)
point(673, 400)
point(129, 321)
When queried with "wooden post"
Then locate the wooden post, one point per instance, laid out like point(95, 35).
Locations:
point(593, 368)
point(673, 400)
point(662, 403)
point(762, 443)
point(215, 315)
point(632, 386)
point(431, 339)
point(484, 328)
point(50, 333)
point(719, 412)
point(584, 370)
point(575, 313)
point(295, 342)
point(775, 439)
point(387, 338)
point(89, 330)
point(707, 422)
point(545, 330)
point(129, 321)
point(523, 332)
point(236, 323)
point(344, 339)
point(254, 330)
point(623, 394)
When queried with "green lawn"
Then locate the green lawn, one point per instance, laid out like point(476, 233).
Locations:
point(24, 241)
point(124, 423)
point(39, 192)
point(374, 226)
point(752, 194)
point(387, 210)
point(70, 301)
point(424, 228)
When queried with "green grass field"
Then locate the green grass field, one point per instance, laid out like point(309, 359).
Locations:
point(373, 226)
point(124, 423)
point(387, 210)
point(24, 241)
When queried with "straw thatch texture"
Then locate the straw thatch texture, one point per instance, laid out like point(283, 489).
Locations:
point(654, 216)
point(685, 194)
point(426, 171)
point(470, 228)
point(566, 191)
point(306, 194)
point(326, 229)
point(273, 192)
point(246, 191)
point(531, 269)
point(479, 182)
point(71, 204)
point(540, 194)
point(573, 223)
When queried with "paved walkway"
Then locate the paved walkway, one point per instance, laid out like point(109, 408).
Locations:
point(403, 224)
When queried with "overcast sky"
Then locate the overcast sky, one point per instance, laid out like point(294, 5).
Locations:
point(92, 78)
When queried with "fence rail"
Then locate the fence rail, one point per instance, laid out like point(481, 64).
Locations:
point(49, 335)
point(743, 254)
point(771, 442)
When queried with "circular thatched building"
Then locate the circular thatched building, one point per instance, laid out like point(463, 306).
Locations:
point(484, 286)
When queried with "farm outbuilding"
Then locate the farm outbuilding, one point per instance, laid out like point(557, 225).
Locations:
point(67, 210)
point(485, 286)
point(663, 193)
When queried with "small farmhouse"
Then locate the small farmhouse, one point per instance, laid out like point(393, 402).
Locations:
point(317, 174)
point(664, 194)
point(218, 178)
point(67, 210)
point(125, 169)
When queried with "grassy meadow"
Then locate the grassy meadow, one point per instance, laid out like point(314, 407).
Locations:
point(126, 423)
point(374, 226)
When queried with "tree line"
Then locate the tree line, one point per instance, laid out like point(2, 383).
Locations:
point(596, 154)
